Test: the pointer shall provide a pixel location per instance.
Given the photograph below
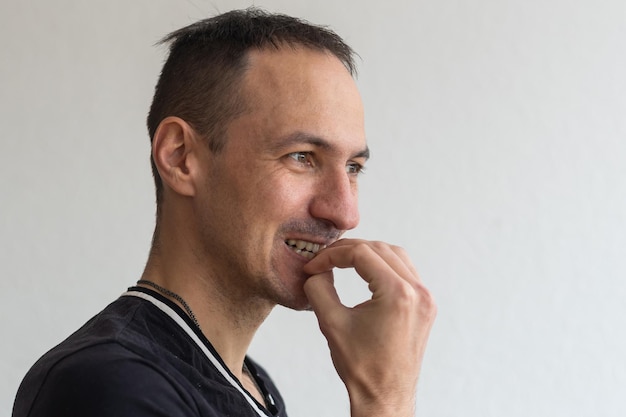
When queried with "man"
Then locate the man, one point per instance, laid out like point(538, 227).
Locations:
point(257, 144)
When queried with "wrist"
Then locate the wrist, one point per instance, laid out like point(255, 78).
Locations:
point(381, 404)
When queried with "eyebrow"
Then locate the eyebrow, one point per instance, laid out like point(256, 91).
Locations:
point(319, 142)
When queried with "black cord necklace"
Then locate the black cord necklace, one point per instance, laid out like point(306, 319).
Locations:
point(175, 296)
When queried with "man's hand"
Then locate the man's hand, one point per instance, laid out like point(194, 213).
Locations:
point(377, 346)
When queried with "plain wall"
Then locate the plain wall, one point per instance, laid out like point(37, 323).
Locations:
point(498, 137)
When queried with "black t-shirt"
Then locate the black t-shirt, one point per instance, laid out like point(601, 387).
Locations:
point(141, 356)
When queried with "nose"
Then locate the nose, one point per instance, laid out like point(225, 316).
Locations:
point(335, 200)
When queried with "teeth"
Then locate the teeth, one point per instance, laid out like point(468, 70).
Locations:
point(304, 248)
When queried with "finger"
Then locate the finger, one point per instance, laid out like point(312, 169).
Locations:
point(360, 256)
point(394, 256)
point(404, 256)
point(391, 255)
point(321, 293)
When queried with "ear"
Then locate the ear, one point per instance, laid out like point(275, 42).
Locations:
point(174, 150)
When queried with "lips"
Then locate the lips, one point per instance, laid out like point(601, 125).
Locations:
point(304, 248)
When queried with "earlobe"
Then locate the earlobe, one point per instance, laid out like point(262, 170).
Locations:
point(172, 150)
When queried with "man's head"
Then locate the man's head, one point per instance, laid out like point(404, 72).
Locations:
point(201, 79)
point(272, 176)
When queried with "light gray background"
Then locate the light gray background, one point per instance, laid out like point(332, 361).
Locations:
point(498, 131)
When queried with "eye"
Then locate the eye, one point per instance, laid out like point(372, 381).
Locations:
point(301, 157)
point(355, 168)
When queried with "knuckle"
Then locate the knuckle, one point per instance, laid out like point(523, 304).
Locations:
point(415, 297)
point(362, 249)
point(405, 294)
point(363, 245)
point(428, 306)
point(377, 244)
point(399, 250)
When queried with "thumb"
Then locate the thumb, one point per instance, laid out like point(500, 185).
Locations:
point(321, 293)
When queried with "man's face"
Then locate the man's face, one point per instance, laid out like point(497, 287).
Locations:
point(285, 183)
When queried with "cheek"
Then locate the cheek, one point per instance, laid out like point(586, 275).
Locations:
point(290, 198)
point(267, 194)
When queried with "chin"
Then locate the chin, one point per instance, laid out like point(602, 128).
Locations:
point(295, 299)
point(289, 290)
point(298, 302)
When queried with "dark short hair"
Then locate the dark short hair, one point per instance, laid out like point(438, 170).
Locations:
point(201, 77)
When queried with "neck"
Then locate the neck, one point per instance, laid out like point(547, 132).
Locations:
point(228, 320)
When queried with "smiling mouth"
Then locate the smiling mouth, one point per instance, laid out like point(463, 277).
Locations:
point(304, 248)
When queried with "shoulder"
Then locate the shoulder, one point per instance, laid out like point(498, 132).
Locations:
point(101, 380)
point(106, 368)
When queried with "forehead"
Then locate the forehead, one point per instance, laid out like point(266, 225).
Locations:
point(290, 90)
point(288, 66)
